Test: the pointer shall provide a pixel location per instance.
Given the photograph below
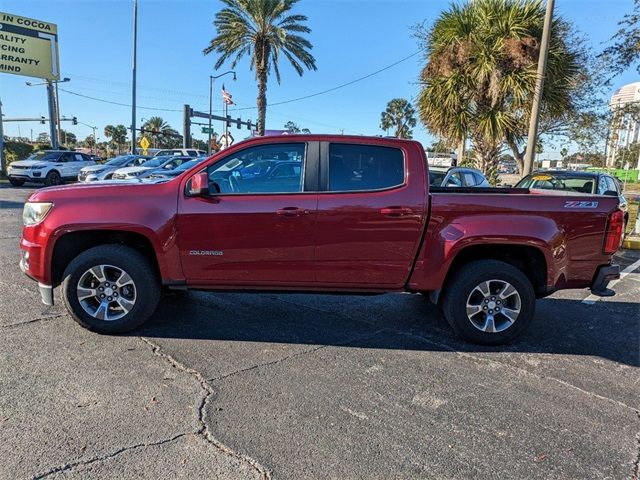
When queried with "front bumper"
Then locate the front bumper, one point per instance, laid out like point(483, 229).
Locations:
point(46, 291)
point(604, 275)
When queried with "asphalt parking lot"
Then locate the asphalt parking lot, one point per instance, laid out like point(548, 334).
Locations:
point(298, 386)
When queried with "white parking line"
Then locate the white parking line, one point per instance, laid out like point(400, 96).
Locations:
point(591, 299)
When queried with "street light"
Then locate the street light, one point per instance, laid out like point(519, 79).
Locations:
point(54, 108)
point(211, 79)
point(95, 140)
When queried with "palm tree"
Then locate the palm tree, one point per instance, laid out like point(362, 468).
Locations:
point(480, 76)
point(399, 115)
point(264, 30)
point(157, 129)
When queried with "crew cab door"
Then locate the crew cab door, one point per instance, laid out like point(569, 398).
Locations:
point(371, 210)
point(254, 230)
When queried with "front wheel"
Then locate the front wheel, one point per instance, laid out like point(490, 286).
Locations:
point(53, 178)
point(489, 302)
point(110, 289)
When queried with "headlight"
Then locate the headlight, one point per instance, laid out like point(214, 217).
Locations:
point(135, 174)
point(34, 212)
point(37, 167)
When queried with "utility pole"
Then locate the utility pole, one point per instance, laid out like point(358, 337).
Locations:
point(532, 138)
point(2, 165)
point(133, 89)
point(52, 117)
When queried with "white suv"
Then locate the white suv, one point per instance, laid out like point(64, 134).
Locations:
point(51, 167)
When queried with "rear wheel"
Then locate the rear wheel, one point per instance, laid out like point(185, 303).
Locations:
point(110, 289)
point(489, 302)
point(16, 182)
point(53, 178)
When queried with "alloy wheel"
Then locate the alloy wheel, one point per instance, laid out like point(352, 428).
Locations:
point(106, 292)
point(493, 306)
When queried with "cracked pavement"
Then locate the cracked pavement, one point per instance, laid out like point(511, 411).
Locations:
point(243, 386)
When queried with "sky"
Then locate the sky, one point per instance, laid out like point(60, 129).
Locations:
point(351, 38)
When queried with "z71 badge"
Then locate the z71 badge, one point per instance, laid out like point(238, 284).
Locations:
point(578, 204)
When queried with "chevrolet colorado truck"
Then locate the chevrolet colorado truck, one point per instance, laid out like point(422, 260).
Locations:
point(332, 214)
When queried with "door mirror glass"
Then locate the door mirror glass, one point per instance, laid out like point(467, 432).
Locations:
point(198, 186)
point(611, 193)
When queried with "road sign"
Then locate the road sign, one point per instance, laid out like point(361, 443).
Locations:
point(28, 47)
point(144, 143)
point(208, 130)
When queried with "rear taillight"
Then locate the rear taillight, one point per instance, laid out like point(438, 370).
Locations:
point(613, 236)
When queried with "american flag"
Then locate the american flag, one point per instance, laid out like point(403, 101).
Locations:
point(227, 97)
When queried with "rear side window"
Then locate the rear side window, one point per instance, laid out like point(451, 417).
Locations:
point(364, 167)
point(479, 178)
point(469, 179)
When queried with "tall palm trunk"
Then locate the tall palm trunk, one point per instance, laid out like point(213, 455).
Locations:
point(262, 99)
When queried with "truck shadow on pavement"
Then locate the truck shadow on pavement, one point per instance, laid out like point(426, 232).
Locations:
point(609, 330)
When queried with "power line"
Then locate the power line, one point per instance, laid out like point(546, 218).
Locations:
point(304, 97)
point(119, 103)
point(346, 84)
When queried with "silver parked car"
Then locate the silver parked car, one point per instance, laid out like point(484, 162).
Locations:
point(456, 177)
point(156, 164)
point(105, 171)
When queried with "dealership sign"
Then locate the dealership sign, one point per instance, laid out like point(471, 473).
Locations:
point(28, 47)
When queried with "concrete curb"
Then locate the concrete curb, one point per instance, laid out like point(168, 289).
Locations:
point(631, 243)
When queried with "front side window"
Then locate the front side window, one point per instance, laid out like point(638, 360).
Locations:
point(364, 167)
point(276, 168)
point(612, 185)
point(602, 185)
point(454, 180)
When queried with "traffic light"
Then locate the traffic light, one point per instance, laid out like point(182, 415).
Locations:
point(74, 120)
point(239, 123)
point(42, 120)
point(249, 124)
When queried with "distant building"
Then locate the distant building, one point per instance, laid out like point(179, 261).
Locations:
point(625, 127)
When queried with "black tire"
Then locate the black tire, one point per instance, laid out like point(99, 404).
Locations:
point(16, 182)
point(53, 178)
point(146, 284)
point(460, 288)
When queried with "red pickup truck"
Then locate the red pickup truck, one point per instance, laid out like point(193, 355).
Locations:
point(317, 213)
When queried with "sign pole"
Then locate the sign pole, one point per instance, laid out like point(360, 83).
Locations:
point(58, 117)
point(133, 88)
point(3, 167)
point(52, 116)
point(210, 108)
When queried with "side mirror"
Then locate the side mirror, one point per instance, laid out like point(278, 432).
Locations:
point(198, 185)
point(611, 193)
